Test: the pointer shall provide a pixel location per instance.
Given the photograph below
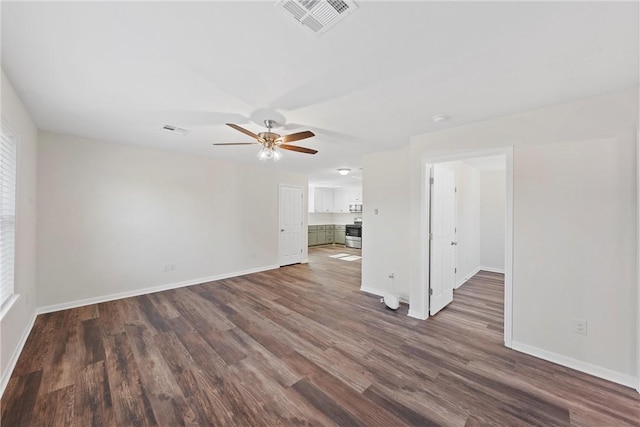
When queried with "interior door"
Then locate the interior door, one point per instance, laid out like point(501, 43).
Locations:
point(290, 230)
point(442, 276)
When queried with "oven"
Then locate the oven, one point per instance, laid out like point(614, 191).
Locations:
point(353, 236)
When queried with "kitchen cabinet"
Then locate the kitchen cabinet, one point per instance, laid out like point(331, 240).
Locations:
point(334, 200)
point(326, 234)
point(355, 195)
point(322, 235)
point(341, 200)
point(338, 233)
point(312, 236)
point(323, 199)
point(329, 234)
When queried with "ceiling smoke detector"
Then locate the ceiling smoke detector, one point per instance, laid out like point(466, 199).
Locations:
point(176, 129)
point(439, 118)
point(317, 16)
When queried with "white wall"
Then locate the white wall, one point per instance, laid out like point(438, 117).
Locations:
point(575, 242)
point(492, 220)
point(346, 218)
point(467, 181)
point(112, 216)
point(386, 236)
point(17, 321)
point(581, 233)
point(321, 218)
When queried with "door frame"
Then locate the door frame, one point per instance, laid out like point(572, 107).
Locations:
point(303, 215)
point(638, 255)
point(425, 255)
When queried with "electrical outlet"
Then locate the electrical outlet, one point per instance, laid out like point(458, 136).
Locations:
point(580, 326)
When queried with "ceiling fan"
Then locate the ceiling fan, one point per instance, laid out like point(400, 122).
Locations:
point(271, 142)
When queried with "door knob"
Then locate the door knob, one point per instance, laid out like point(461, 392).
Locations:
point(282, 229)
point(454, 243)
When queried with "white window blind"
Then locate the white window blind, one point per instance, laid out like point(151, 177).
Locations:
point(7, 213)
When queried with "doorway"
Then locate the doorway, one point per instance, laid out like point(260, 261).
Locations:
point(432, 251)
point(290, 240)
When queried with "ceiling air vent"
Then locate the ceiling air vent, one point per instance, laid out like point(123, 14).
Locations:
point(317, 16)
point(176, 129)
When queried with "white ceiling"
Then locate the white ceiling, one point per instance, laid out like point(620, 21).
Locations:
point(120, 71)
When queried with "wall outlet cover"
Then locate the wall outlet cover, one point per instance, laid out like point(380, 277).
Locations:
point(580, 326)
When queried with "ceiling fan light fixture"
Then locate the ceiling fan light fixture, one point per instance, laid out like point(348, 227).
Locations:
point(269, 153)
point(265, 154)
point(344, 171)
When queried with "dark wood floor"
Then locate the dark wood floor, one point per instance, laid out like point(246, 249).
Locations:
point(296, 346)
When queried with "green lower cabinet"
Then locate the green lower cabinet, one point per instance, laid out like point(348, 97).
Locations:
point(325, 235)
point(338, 234)
point(322, 237)
point(328, 236)
point(313, 238)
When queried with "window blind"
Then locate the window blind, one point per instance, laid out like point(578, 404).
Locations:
point(7, 213)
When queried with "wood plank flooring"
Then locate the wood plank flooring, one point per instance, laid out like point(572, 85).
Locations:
point(300, 345)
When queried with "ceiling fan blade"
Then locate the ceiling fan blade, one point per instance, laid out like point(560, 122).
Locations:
point(298, 149)
point(236, 143)
point(246, 132)
point(295, 136)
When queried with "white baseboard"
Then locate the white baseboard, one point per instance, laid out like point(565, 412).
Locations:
point(150, 290)
point(578, 365)
point(476, 271)
point(379, 293)
point(417, 315)
point(6, 375)
point(491, 269)
point(467, 277)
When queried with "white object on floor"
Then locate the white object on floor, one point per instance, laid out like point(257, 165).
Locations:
point(391, 301)
point(338, 255)
point(351, 258)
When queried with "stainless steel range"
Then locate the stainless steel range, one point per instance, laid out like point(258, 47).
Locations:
point(353, 234)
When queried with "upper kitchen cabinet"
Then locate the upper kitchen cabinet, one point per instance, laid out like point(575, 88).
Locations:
point(355, 195)
point(333, 200)
point(323, 199)
point(341, 200)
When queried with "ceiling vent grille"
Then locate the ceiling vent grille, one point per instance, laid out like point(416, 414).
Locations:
point(176, 129)
point(317, 16)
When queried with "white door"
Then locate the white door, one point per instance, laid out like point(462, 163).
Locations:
point(290, 239)
point(442, 276)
